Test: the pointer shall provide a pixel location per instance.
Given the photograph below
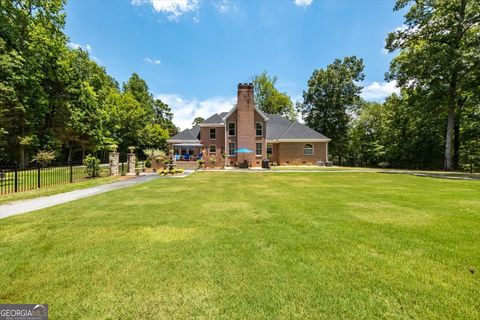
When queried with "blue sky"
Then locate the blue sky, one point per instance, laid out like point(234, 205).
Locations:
point(192, 53)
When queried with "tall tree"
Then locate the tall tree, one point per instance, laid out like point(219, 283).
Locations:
point(32, 29)
point(365, 146)
point(269, 99)
point(438, 50)
point(197, 120)
point(333, 95)
point(164, 116)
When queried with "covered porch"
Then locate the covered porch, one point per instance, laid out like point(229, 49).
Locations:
point(187, 151)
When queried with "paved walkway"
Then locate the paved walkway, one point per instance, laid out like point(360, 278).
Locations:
point(23, 206)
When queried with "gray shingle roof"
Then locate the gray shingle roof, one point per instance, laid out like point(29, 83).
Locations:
point(278, 128)
point(216, 118)
point(187, 134)
point(298, 130)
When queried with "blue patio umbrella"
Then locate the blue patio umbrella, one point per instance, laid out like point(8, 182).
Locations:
point(243, 150)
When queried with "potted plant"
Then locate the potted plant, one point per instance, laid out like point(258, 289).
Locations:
point(201, 163)
point(212, 160)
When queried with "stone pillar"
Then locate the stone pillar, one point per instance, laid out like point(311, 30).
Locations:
point(113, 159)
point(131, 163)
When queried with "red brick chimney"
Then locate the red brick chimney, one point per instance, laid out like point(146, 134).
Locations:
point(246, 120)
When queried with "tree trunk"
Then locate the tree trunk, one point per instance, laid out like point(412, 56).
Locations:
point(448, 163)
point(21, 156)
point(456, 142)
point(70, 153)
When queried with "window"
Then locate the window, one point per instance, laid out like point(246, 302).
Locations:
point(213, 133)
point(258, 149)
point(308, 149)
point(231, 149)
point(231, 128)
point(258, 129)
point(269, 150)
point(213, 148)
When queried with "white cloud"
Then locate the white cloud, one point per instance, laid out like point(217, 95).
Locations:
point(76, 46)
point(223, 6)
point(303, 3)
point(226, 6)
point(379, 91)
point(152, 61)
point(185, 110)
point(173, 8)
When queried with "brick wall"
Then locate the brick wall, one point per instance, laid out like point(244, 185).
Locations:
point(292, 152)
point(232, 118)
point(219, 141)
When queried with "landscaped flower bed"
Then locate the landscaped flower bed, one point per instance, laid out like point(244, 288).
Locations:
point(164, 172)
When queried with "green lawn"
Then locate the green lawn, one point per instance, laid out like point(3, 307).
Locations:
point(27, 179)
point(253, 246)
point(317, 168)
point(48, 191)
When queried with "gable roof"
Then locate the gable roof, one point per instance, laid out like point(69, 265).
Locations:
point(186, 135)
point(276, 126)
point(279, 129)
point(229, 113)
point(216, 119)
point(298, 130)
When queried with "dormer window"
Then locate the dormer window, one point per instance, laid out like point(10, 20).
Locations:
point(258, 129)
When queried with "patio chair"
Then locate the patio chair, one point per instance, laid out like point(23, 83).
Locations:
point(187, 157)
point(177, 157)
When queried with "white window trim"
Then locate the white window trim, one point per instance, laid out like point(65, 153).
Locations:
point(313, 149)
point(234, 129)
point(210, 134)
point(234, 146)
point(210, 149)
point(261, 125)
point(258, 155)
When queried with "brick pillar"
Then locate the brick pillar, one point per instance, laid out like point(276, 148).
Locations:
point(131, 163)
point(113, 159)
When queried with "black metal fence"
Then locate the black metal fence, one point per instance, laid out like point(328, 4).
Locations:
point(15, 179)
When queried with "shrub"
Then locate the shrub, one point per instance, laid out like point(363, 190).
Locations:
point(148, 163)
point(92, 166)
point(212, 160)
point(44, 157)
point(200, 162)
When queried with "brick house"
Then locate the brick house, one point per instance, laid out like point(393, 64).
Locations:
point(269, 136)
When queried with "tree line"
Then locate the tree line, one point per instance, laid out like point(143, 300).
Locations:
point(57, 99)
point(433, 123)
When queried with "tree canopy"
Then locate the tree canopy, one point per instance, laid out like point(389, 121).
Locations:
point(57, 99)
point(269, 99)
point(331, 98)
point(438, 55)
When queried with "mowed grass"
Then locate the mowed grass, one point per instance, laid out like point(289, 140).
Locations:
point(51, 190)
point(253, 246)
